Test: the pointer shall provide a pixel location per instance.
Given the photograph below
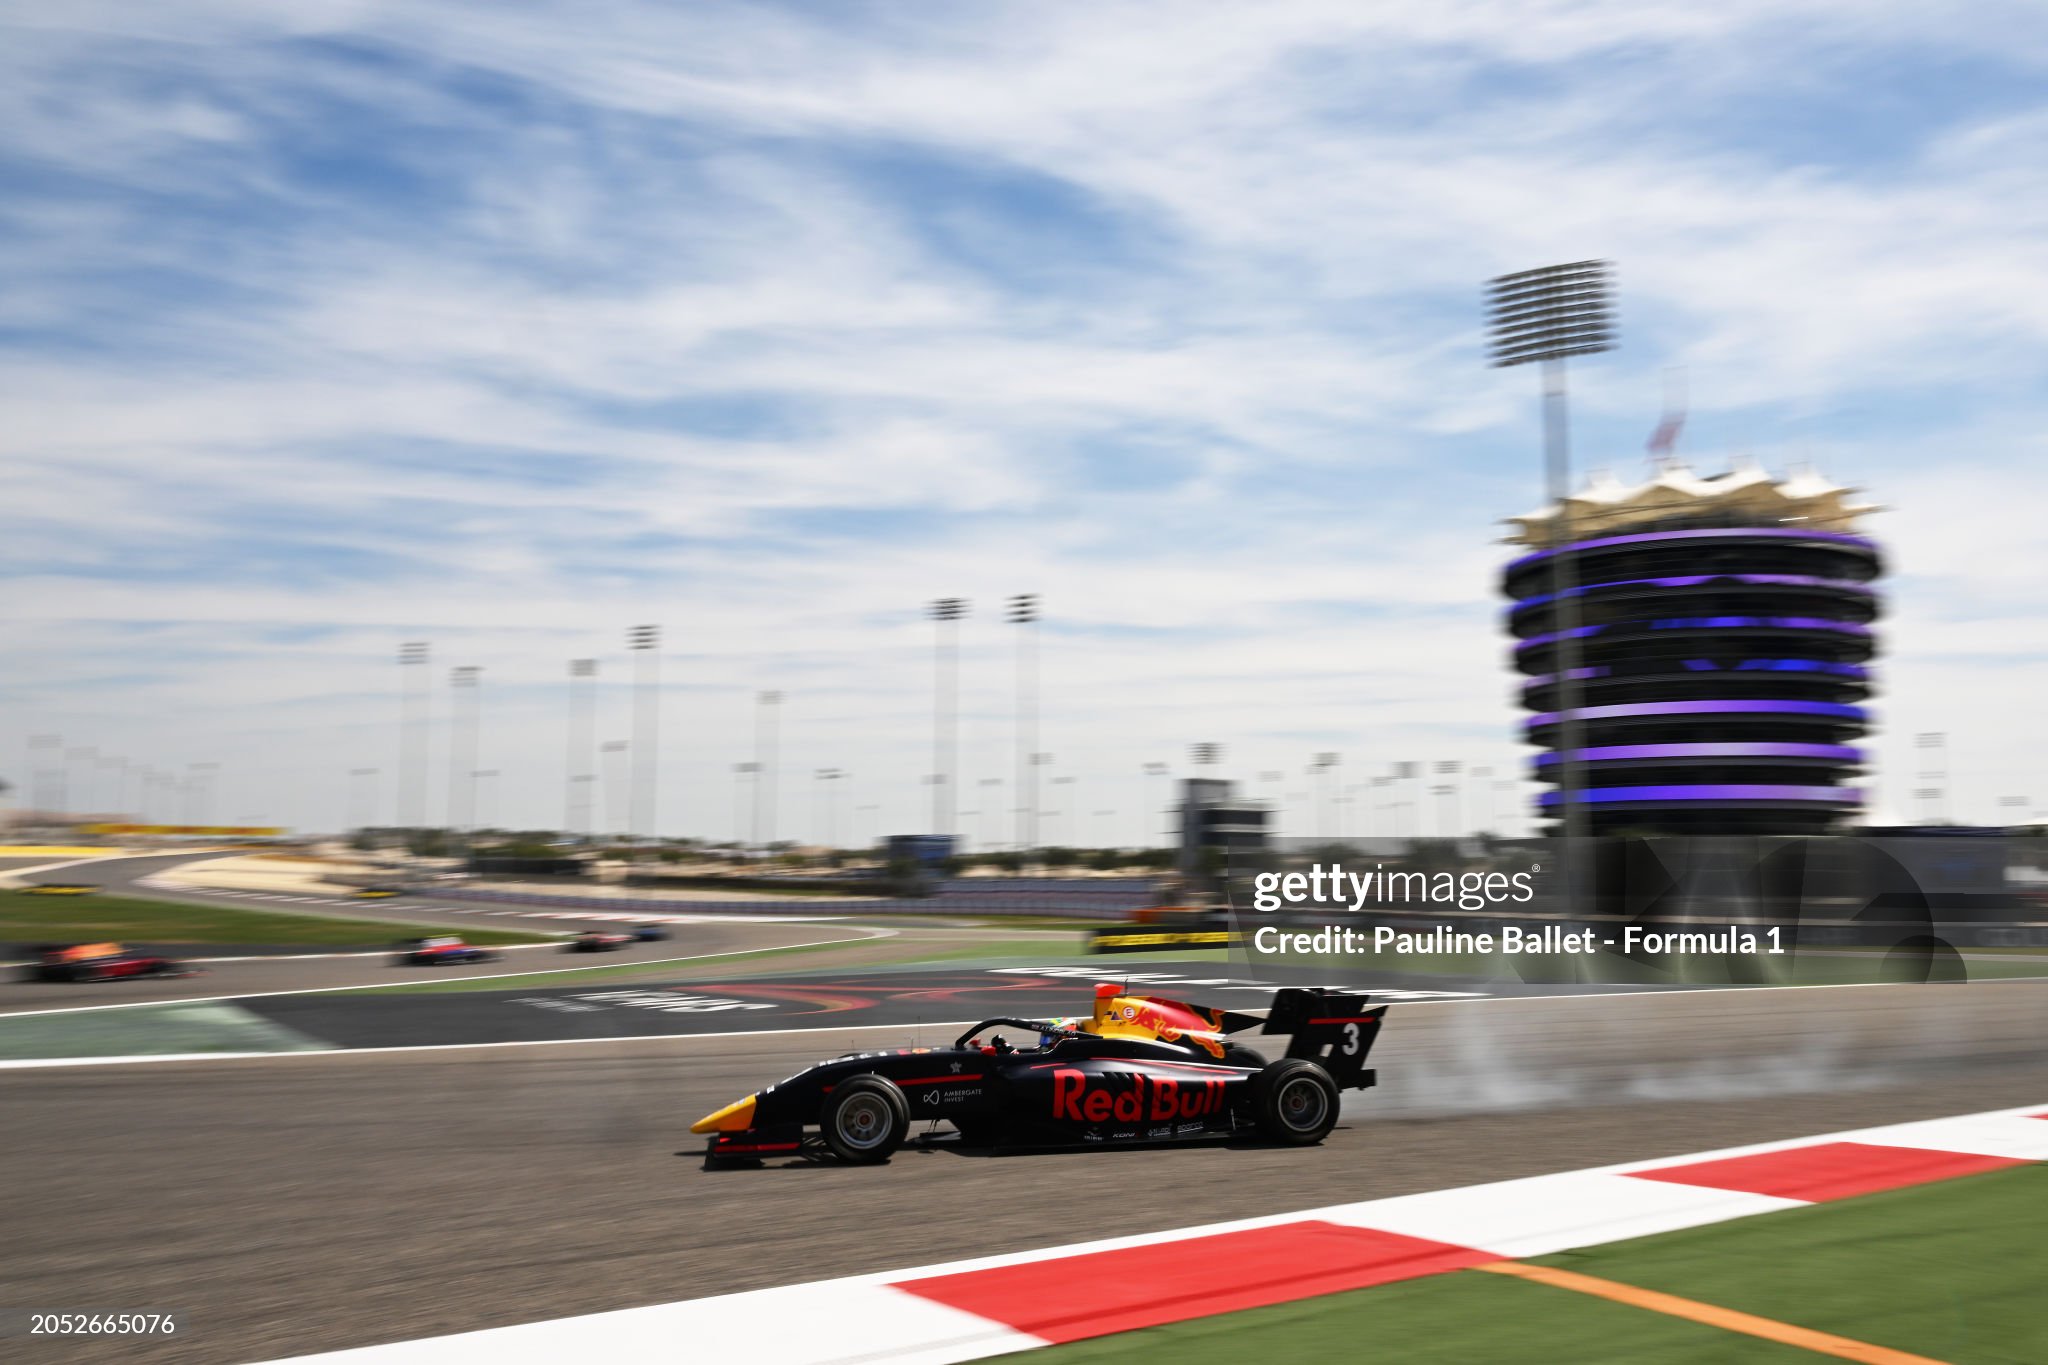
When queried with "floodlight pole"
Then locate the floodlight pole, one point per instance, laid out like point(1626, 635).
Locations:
point(1557, 467)
point(1023, 613)
point(644, 642)
point(946, 612)
point(1546, 315)
point(412, 735)
point(576, 818)
point(767, 704)
point(464, 720)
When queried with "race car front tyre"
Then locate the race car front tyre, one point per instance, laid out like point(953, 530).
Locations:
point(865, 1119)
point(1295, 1102)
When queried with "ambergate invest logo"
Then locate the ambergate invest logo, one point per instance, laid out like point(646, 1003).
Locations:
point(1333, 886)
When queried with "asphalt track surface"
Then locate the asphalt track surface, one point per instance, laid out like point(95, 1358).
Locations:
point(940, 998)
point(315, 1201)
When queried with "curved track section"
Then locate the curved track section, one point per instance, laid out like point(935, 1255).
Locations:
point(227, 972)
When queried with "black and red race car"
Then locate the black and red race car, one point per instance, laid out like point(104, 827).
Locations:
point(98, 962)
point(599, 941)
point(1142, 1069)
point(441, 950)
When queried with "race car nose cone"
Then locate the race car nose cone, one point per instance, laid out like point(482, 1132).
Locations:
point(736, 1117)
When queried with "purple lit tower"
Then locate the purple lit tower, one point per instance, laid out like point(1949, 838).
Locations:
point(1724, 649)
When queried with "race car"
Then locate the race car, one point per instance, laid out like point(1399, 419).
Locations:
point(97, 962)
point(651, 933)
point(441, 950)
point(1142, 1069)
point(599, 941)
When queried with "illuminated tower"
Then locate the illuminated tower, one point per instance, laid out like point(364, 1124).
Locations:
point(1724, 632)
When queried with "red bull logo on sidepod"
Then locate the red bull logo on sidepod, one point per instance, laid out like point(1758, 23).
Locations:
point(1081, 1098)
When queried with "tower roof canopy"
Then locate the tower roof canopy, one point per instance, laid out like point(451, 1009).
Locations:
point(1675, 496)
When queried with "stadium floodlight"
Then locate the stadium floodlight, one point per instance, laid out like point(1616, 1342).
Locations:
point(582, 736)
point(465, 719)
point(946, 612)
point(1546, 315)
point(644, 643)
point(1936, 771)
point(1550, 313)
point(1023, 611)
point(412, 734)
point(767, 704)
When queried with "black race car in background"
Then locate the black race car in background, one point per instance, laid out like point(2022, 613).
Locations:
point(599, 941)
point(98, 962)
point(1142, 1069)
point(651, 933)
point(440, 950)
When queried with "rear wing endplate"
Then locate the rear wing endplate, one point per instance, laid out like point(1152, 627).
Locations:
point(1331, 1028)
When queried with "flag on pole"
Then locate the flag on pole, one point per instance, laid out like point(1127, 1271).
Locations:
point(1665, 438)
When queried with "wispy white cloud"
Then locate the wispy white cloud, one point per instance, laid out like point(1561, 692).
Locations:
point(508, 327)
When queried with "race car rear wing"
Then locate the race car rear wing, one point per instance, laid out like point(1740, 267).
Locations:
point(1330, 1028)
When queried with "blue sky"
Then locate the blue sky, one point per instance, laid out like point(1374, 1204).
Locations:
point(507, 327)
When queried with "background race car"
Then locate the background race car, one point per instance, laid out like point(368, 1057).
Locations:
point(1142, 1069)
point(599, 941)
point(441, 950)
point(97, 962)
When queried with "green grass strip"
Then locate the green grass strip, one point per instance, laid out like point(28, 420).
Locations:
point(29, 918)
point(1949, 1270)
point(149, 1030)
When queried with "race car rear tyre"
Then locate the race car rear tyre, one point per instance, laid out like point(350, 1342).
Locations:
point(1295, 1102)
point(865, 1119)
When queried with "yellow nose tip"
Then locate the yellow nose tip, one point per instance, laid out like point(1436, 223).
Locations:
point(736, 1117)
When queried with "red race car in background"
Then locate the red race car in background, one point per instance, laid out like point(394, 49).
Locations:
point(441, 950)
point(97, 962)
